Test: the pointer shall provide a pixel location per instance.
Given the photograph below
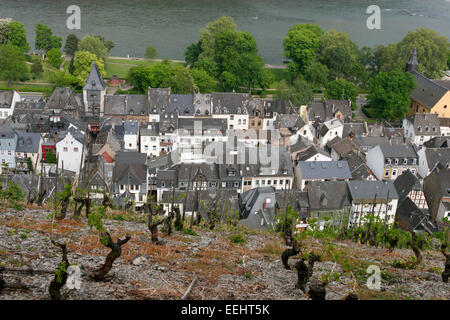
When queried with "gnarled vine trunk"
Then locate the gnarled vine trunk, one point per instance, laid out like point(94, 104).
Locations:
point(58, 282)
point(116, 251)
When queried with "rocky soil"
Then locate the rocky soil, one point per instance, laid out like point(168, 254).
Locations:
point(225, 270)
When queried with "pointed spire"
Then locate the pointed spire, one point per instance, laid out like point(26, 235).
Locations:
point(95, 80)
point(412, 63)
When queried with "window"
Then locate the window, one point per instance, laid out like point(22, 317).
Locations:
point(236, 184)
point(405, 161)
point(224, 184)
point(263, 182)
point(231, 117)
point(386, 173)
point(257, 182)
point(269, 182)
point(75, 149)
point(275, 182)
point(394, 172)
point(396, 161)
point(239, 122)
point(65, 149)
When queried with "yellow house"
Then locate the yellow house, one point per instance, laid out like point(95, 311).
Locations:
point(430, 96)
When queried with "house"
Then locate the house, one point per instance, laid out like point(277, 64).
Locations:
point(408, 185)
point(329, 109)
point(421, 127)
point(329, 130)
point(231, 107)
point(389, 161)
point(69, 149)
point(8, 144)
point(202, 105)
point(436, 187)
point(377, 197)
point(108, 142)
point(411, 219)
point(8, 100)
point(340, 148)
point(329, 202)
point(257, 208)
point(358, 167)
point(66, 102)
point(131, 135)
point(159, 101)
point(429, 157)
point(292, 128)
point(182, 104)
point(130, 183)
point(311, 153)
point(308, 171)
point(28, 146)
point(149, 139)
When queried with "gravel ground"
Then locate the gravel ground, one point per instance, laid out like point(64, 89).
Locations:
point(225, 270)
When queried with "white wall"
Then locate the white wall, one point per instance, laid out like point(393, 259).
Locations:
point(375, 161)
point(69, 151)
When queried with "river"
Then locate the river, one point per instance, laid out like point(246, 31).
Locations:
point(171, 25)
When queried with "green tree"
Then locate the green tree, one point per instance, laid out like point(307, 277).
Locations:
point(36, 68)
point(301, 44)
point(317, 75)
point(209, 65)
point(18, 35)
point(192, 52)
point(4, 31)
point(181, 82)
point(108, 44)
point(54, 58)
point(12, 63)
point(151, 52)
point(389, 94)
point(203, 81)
point(432, 51)
point(338, 53)
point(71, 45)
point(64, 79)
point(208, 35)
point(45, 40)
point(83, 64)
point(299, 93)
point(50, 156)
point(94, 45)
point(341, 89)
point(30, 165)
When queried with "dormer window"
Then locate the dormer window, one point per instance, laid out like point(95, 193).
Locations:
point(396, 161)
point(419, 129)
point(405, 161)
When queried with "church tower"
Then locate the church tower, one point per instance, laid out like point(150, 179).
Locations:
point(412, 63)
point(94, 93)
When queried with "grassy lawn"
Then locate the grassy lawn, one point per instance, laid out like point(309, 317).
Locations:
point(120, 67)
point(26, 87)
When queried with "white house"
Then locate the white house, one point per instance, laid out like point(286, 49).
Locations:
point(329, 130)
point(8, 100)
point(131, 135)
point(8, 143)
point(149, 139)
point(69, 149)
point(378, 197)
point(421, 127)
point(232, 107)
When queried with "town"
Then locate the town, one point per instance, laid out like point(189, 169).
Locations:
point(266, 163)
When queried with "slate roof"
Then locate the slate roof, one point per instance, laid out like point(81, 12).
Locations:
point(364, 191)
point(324, 170)
point(356, 129)
point(292, 122)
point(136, 104)
point(182, 104)
point(443, 83)
point(436, 186)
point(123, 157)
point(131, 127)
point(63, 98)
point(115, 104)
point(405, 183)
point(158, 100)
point(95, 80)
point(130, 174)
point(150, 129)
point(323, 111)
point(408, 215)
point(75, 133)
point(425, 124)
point(358, 166)
point(229, 103)
point(343, 146)
point(428, 92)
point(434, 156)
point(202, 104)
point(328, 195)
point(398, 151)
point(438, 142)
point(28, 142)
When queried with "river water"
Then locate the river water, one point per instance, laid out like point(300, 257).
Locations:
point(171, 25)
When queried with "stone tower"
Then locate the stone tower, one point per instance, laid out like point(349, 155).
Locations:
point(94, 93)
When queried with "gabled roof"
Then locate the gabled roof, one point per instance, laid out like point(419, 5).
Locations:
point(322, 170)
point(229, 103)
point(328, 195)
point(405, 183)
point(130, 174)
point(364, 191)
point(123, 157)
point(428, 92)
point(95, 80)
point(6, 98)
point(398, 151)
point(409, 216)
point(441, 155)
point(425, 124)
point(28, 142)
